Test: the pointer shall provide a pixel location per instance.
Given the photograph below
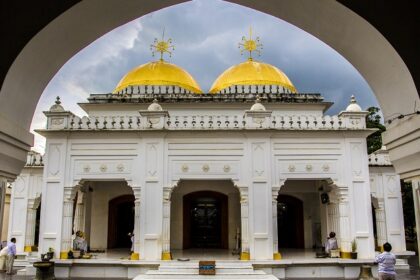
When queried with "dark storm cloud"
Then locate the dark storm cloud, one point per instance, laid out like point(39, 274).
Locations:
point(206, 36)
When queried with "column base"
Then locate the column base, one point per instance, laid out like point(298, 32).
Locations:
point(166, 256)
point(345, 255)
point(64, 255)
point(245, 256)
point(135, 256)
point(27, 249)
point(277, 256)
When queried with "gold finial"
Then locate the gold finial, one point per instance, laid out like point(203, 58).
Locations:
point(162, 46)
point(250, 45)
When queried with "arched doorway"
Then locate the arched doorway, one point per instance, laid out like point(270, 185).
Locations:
point(290, 222)
point(205, 220)
point(120, 221)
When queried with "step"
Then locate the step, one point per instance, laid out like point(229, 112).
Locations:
point(190, 270)
point(213, 277)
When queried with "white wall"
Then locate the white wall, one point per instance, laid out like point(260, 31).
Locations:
point(385, 186)
point(27, 186)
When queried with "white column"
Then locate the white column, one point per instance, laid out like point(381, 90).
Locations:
point(3, 186)
point(245, 255)
point(380, 223)
point(166, 226)
point(67, 222)
point(275, 193)
point(79, 213)
point(344, 221)
point(415, 183)
point(137, 195)
point(33, 205)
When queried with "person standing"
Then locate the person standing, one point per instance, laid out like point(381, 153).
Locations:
point(11, 255)
point(386, 263)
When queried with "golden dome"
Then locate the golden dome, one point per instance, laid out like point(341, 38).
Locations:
point(159, 73)
point(252, 73)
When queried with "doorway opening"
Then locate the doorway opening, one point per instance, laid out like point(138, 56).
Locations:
point(205, 220)
point(290, 222)
point(120, 221)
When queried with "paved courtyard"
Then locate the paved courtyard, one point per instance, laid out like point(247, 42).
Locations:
point(412, 274)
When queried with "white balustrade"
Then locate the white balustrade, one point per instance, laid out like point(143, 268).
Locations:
point(212, 122)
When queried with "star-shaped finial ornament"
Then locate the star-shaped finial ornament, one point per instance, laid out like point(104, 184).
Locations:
point(162, 46)
point(250, 45)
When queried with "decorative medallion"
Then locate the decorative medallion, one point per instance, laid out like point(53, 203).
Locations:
point(308, 167)
point(226, 168)
point(184, 168)
point(86, 168)
point(57, 121)
point(326, 167)
point(103, 168)
point(206, 167)
point(292, 168)
point(120, 167)
point(259, 172)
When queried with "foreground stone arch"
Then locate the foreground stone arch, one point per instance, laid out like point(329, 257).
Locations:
point(353, 37)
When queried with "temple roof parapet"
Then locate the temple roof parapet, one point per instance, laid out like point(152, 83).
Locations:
point(257, 117)
point(34, 159)
point(380, 158)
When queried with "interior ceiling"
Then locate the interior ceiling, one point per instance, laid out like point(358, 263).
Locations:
point(396, 20)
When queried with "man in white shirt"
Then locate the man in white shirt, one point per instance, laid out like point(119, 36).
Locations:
point(11, 255)
point(386, 263)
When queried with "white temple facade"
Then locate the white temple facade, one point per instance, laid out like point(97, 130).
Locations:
point(253, 167)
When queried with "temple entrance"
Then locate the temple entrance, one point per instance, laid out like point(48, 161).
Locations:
point(290, 222)
point(120, 221)
point(205, 220)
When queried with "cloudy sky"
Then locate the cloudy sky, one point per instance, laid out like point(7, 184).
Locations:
point(206, 34)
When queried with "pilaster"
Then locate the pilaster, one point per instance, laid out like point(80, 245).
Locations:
point(67, 222)
point(381, 223)
point(166, 230)
point(245, 254)
point(135, 255)
point(275, 193)
point(79, 213)
point(33, 205)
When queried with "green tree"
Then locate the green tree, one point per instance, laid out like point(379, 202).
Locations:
point(373, 120)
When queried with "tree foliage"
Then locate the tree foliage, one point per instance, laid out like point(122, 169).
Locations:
point(373, 120)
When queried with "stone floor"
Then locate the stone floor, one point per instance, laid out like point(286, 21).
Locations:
point(411, 274)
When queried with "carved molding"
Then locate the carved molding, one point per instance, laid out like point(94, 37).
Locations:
point(206, 168)
point(86, 168)
point(226, 168)
point(275, 193)
point(184, 168)
point(120, 167)
point(70, 193)
point(292, 168)
point(103, 168)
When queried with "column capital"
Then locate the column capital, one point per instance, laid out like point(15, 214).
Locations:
point(275, 192)
point(70, 193)
point(281, 182)
point(33, 203)
point(136, 192)
point(167, 193)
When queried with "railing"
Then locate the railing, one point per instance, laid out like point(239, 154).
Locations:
point(210, 122)
point(34, 159)
point(380, 158)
